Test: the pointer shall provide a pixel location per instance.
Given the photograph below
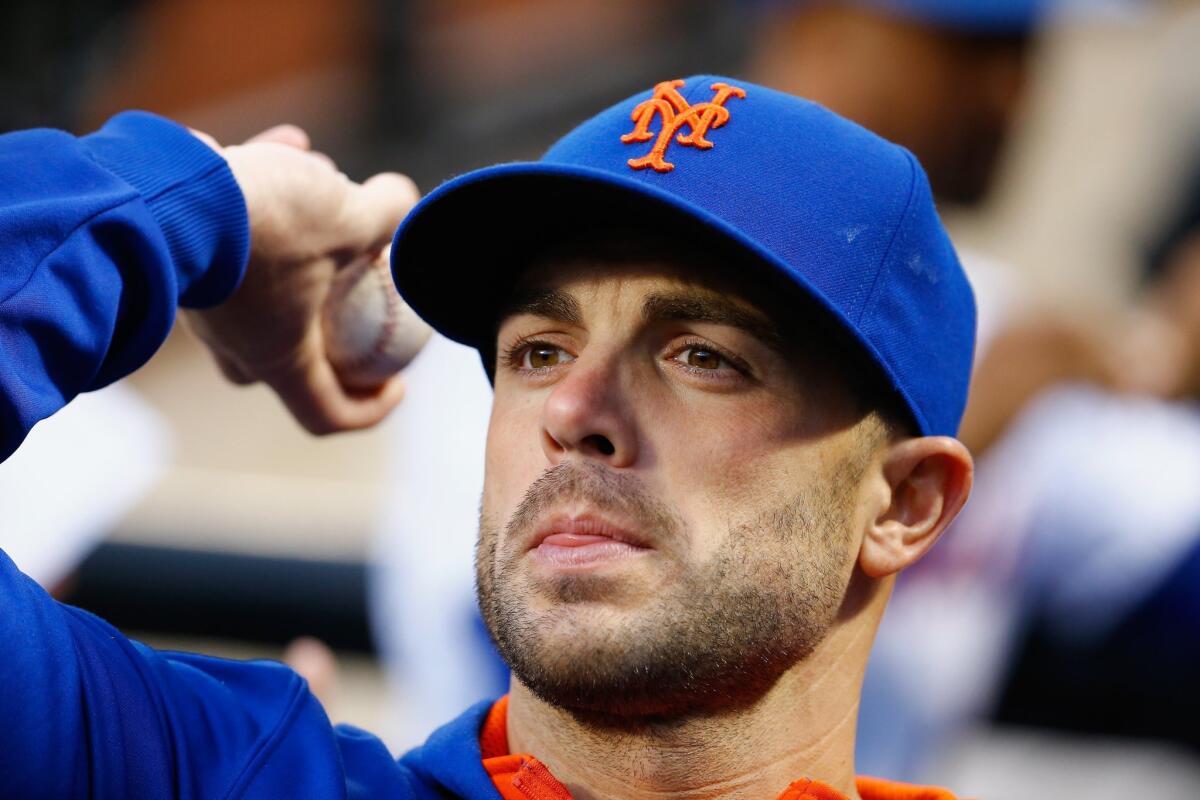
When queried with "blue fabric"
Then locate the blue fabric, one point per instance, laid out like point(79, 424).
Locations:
point(984, 17)
point(969, 16)
point(85, 712)
point(103, 236)
point(844, 216)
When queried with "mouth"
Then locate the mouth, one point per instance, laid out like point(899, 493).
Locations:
point(583, 541)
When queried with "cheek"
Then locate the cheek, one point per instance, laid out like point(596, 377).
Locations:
point(706, 445)
point(720, 471)
point(513, 458)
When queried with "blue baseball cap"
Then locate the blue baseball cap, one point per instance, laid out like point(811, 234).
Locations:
point(834, 212)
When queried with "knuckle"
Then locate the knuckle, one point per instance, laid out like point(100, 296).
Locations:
point(321, 425)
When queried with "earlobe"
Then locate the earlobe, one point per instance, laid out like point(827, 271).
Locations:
point(928, 480)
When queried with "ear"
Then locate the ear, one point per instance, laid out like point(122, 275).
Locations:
point(929, 479)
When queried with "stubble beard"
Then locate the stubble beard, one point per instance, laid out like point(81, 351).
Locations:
point(716, 637)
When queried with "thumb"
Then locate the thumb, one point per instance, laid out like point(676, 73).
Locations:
point(373, 210)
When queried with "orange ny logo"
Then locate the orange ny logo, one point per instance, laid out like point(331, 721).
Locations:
point(676, 112)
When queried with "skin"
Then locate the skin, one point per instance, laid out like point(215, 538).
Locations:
point(1170, 324)
point(593, 387)
point(307, 222)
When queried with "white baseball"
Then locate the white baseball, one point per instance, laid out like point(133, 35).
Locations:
point(370, 332)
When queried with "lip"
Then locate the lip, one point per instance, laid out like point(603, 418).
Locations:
point(565, 527)
point(582, 541)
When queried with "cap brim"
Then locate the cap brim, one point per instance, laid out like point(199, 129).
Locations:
point(458, 254)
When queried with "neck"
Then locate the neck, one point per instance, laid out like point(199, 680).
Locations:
point(803, 727)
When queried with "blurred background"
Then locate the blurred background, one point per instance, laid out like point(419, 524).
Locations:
point(1050, 645)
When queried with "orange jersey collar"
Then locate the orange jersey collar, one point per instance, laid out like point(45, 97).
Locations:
point(518, 776)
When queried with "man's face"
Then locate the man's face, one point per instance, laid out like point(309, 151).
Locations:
point(669, 511)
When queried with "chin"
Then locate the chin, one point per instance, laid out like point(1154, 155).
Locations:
point(642, 694)
point(600, 663)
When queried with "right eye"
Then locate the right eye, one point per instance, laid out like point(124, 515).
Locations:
point(541, 355)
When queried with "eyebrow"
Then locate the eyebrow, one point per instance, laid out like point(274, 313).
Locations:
point(679, 306)
point(713, 309)
point(552, 304)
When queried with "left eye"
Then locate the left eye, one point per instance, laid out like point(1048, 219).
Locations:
point(701, 358)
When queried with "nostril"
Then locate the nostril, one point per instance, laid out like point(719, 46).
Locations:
point(601, 443)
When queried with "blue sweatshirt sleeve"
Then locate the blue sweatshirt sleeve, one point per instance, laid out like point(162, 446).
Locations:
point(102, 237)
point(85, 712)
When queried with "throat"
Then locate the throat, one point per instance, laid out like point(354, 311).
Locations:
point(745, 754)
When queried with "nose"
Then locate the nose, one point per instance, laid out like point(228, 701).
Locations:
point(587, 415)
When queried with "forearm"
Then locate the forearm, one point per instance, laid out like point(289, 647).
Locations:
point(103, 237)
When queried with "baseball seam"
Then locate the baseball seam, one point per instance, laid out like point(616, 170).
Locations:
point(386, 330)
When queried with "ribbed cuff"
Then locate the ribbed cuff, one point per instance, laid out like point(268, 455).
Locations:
point(191, 193)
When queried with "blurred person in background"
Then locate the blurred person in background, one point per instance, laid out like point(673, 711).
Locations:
point(1112, 572)
point(1171, 298)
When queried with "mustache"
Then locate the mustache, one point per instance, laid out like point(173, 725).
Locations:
point(601, 488)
